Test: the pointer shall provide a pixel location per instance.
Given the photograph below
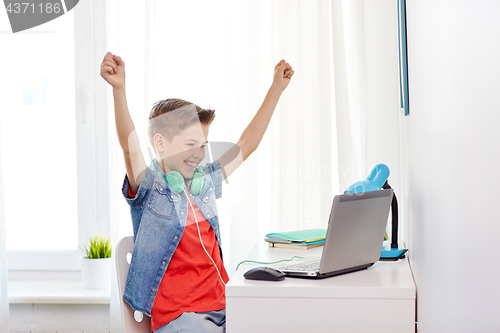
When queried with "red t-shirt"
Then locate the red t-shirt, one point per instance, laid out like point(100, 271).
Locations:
point(191, 282)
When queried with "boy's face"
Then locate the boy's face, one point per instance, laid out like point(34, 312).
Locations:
point(185, 151)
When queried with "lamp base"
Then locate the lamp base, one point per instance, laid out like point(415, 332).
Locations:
point(392, 254)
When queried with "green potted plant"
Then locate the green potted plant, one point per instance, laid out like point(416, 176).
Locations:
point(96, 265)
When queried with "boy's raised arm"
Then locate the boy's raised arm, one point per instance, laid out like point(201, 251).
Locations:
point(252, 135)
point(113, 71)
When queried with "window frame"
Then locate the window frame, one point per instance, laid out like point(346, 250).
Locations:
point(92, 143)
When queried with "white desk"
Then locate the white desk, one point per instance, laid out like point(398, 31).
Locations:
point(380, 298)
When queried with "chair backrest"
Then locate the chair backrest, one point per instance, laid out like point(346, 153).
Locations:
point(130, 325)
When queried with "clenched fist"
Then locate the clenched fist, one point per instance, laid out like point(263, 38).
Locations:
point(113, 70)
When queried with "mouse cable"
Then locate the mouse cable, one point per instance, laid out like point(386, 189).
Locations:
point(267, 263)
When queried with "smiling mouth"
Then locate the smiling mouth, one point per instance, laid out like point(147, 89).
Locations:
point(191, 164)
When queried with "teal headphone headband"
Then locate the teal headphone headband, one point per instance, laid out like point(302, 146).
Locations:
point(176, 181)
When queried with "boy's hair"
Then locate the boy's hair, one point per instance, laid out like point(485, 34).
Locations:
point(162, 120)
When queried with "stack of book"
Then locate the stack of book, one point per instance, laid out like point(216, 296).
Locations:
point(299, 239)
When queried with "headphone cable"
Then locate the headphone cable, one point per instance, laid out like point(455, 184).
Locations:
point(201, 241)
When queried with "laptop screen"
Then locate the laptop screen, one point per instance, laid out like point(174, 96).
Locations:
point(355, 230)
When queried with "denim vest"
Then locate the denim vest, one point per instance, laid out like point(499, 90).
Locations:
point(159, 217)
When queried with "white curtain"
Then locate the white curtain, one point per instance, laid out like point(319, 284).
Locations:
point(325, 133)
point(349, 94)
point(365, 60)
point(287, 183)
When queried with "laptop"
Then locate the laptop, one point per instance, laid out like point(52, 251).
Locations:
point(354, 237)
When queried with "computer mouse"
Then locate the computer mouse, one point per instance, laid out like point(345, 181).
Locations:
point(264, 273)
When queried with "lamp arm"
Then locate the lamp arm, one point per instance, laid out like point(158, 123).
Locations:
point(395, 218)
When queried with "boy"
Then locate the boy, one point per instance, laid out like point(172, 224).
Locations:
point(176, 275)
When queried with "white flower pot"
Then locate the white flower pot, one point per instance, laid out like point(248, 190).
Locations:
point(96, 273)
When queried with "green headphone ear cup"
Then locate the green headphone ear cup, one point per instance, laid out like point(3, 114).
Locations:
point(175, 180)
point(197, 184)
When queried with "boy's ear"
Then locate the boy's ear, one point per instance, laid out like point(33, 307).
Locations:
point(159, 140)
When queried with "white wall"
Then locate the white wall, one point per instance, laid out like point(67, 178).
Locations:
point(60, 318)
point(453, 145)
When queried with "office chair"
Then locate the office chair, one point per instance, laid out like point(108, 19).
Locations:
point(130, 325)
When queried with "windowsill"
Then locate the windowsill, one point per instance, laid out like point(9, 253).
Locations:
point(53, 288)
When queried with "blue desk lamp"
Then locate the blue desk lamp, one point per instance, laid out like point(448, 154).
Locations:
point(377, 180)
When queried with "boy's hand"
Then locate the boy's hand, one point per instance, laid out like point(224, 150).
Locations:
point(283, 73)
point(113, 70)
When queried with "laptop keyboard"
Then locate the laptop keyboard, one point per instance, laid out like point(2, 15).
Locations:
point(306, 266)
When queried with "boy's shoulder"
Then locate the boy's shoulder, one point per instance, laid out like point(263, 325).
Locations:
point(214, 171)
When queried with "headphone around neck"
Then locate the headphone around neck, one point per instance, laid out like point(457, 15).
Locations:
point(176, 181)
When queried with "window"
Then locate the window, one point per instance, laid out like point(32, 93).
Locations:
point(38, 135)
point(55, 147)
